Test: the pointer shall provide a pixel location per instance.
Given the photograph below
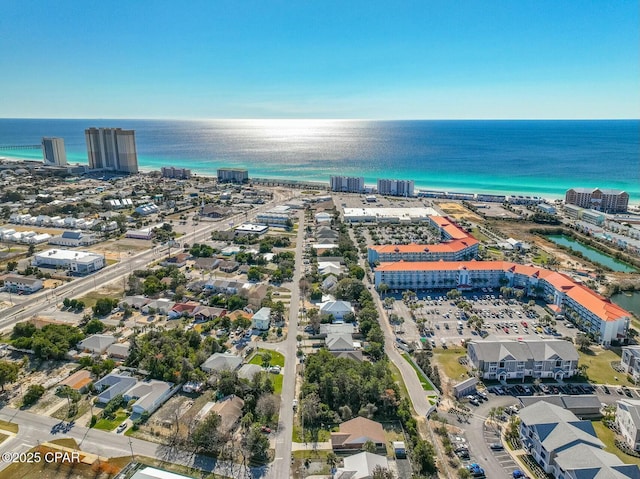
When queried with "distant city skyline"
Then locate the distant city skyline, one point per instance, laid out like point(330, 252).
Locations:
point(343, 60)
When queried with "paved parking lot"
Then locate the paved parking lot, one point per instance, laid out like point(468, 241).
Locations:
point(440, 319)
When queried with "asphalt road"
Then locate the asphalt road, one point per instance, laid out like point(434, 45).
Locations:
point(280, 467)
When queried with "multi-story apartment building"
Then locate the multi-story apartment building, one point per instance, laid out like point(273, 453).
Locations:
point(112, 149)
point(591, 312)
point(53, 152)
point(458, 246)
point(630, 361)
point(233, 175)
point(395, 187)
point(347, 184)
point(567, 447)
point(607, 200)
point(628, 421)
point(176, 173)
point(510, 359)
point(21, 284)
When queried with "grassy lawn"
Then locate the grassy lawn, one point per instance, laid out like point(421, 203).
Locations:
point(63, 412)
point(599, 369)
point(323, 434)
point(607, 436)
point(447, 361)
point(480, 236)
point(277, 383)
point(92, 297)
point(277, 359)
point(111, 424)
point(397, 378)
point(426, 385)
point(9, 426)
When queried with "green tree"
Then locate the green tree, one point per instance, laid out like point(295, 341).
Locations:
point(254, 274)
point(257, 445)
point(94, 326)
point(8, 372)
point(369, 446)
point(34, 392)
point(104, 306)
point(424, 457)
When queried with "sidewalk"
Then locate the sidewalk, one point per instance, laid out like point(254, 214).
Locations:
point(311, 446)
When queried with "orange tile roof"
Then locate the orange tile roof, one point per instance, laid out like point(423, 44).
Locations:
point(598, 305)
point(445, 247)
point(449, 227)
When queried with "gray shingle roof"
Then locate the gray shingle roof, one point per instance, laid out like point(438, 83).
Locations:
point(538, 350)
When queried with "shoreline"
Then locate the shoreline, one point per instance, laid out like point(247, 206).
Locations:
point(419, 185)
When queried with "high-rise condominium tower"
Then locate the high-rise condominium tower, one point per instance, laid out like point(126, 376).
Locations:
point(112, 149)
point(53, 152)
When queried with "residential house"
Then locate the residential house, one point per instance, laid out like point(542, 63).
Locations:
point(149, 395)
point(248, 371)
point(97, 343)
point(630, 361)
point(338, 309)
point(340, 328)
point(230, 411)
point(207, 313)
point(158, 306)
point(329, 283)
point(78, 381)
point(207, 263)
point(221, 362)
point(339, 342)
point(261, 319)
point(628, 420)
point(183, 309)
point(509, 359)
point(354, 433)
point(566, 447)
point(361, 466)
point(119, 350)
point(16, 283)
point(353, 355)
point(178, 260)
point(229, 266)
point(325, 267)
point(214, 211)
point(135, 302)
point(112, 385)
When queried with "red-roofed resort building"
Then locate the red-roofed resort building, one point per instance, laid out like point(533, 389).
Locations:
point(441, 266)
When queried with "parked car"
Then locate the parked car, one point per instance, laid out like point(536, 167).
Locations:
point(496, 446)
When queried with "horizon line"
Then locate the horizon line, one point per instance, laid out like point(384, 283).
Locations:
point(314, 119)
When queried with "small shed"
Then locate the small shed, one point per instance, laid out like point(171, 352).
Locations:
point(466, 387)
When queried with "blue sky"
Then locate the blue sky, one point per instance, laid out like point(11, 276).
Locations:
point(320, 59)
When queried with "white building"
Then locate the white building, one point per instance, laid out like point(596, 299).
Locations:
point(21, 284)
point(630, 361)
point(233, 175)
point(73, 239)
point(567, 447)
point(53, 152)
point(112, 149)
point(596, 315)
point(261, 319)
point(79, 262)
point(338, 309)
point(347, 184)
point(628, 420)
point(395, 187)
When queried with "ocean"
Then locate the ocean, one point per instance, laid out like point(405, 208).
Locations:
point(503, 156)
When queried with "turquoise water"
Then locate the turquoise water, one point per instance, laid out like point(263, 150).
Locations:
point(528, 157)
point(629, 301)
point(592, 254)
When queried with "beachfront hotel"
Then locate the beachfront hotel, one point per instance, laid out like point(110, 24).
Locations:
point(395, 187)
point(593, 313)
point(112, 149)
point(606, 200)
point(347, 184)
point(53, 152)
point(232, 175)
point(457, 245)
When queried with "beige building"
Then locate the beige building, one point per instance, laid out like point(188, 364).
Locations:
point(607, 200)
point(112, 149)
